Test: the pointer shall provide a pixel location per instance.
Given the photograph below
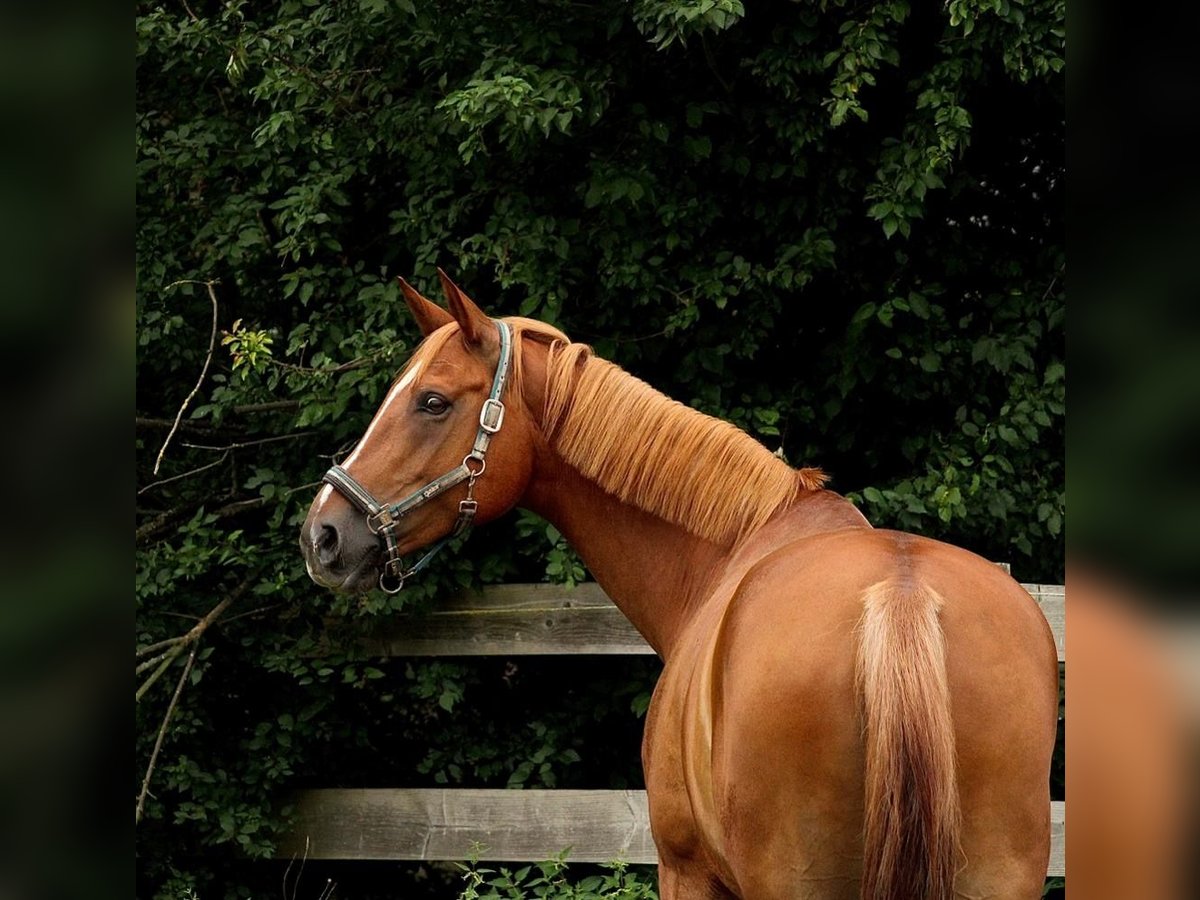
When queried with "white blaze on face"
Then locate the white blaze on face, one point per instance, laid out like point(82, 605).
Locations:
point(314, 534)
point(414, 369)
point(398, 388)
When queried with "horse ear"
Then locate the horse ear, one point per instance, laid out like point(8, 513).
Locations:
point(430, 317)
point(474, 322)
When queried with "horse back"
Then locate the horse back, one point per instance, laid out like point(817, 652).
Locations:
point(765, 697)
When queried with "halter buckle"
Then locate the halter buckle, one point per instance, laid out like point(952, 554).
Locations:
point(491, 417)
point(381, 520)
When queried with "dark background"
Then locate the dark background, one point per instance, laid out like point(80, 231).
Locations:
point(66, 92)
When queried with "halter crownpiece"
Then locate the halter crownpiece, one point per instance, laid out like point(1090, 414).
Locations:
point(382, 518)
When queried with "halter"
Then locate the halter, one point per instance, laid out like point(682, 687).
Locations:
point(382, 518)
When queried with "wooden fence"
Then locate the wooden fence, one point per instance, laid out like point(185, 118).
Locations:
point(519, 825)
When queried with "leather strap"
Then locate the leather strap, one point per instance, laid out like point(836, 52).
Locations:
point(382, 518)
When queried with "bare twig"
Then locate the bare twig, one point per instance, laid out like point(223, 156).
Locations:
point(288, 870)
point(162, 733)
point(212, 343)
point(238, 445)
point(1053, 282)
point(151, 662)
point(167, 658)
point(296, 883)
point(178, 615)
point(189, 11)
point(712, 65)
point(160, 523)
point(641, 337)
point(270, 406)
point(239, 506)
point(340, 453)
point(253, 612)
point(157, 645)
point(189, 472)
point(182, 642)
point(358, 362)
point(164, 521)
point(148, 422)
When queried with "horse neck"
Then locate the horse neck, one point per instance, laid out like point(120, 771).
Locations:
point(657, 573)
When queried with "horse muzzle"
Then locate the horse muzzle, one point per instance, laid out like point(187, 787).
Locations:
point(340, 553)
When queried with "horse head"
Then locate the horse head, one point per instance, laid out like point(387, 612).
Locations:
point(416, 476)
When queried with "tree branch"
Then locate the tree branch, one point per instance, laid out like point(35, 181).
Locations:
point(149, 422)
point(157, 645)
point(175, 646)
point(212, 343)
point(271, 406)
point(189, 472)
point(163, 521)
point(712, 65)
point(254, 443)
point(162, 733)
point(1053, 282)
point(152, 661)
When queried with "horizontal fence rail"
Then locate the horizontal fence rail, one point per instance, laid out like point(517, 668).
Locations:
point(520, 825)
point(504, 825)
point(550, 619)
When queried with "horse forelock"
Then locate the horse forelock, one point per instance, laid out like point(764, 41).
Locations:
point(693, 470)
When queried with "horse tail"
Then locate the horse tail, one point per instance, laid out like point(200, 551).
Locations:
point(912, 818)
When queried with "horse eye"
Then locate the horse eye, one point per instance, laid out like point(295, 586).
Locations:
point(433, 404)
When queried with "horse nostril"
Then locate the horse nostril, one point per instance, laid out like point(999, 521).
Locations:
point(327, 545)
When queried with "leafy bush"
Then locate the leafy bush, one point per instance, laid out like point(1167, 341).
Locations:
point(549, 880)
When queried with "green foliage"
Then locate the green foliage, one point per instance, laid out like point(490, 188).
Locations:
point(550, 880)
point(665, 22)
point(837, 226)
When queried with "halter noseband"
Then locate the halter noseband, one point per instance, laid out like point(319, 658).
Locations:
point(382, 518)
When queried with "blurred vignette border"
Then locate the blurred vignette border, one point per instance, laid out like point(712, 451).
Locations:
point(66, 215)
point(1133, 444)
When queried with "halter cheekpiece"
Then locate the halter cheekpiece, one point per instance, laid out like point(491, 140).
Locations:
point(382, 518)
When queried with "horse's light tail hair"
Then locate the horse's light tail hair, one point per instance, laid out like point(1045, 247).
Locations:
point(912, 818)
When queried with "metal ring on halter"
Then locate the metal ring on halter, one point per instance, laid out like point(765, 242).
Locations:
point(390, 590)
point(382, 519)
point(475, 458)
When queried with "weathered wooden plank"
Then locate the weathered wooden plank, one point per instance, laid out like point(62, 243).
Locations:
point(515, 619)
point(449, 824)
point(1052, 599)
point(1058, 839)
point(548, 619)
point(514, 826)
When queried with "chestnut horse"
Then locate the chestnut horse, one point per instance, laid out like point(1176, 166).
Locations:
point(844, 711)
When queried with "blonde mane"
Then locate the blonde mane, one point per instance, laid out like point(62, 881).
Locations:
point(655, 453)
